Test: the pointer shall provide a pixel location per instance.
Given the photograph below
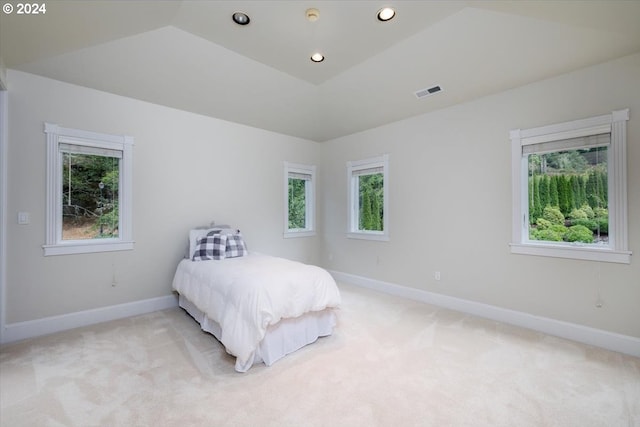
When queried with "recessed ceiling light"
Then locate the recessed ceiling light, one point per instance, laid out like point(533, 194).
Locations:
point(317, 57)
point(385, 14)
point(240, 18)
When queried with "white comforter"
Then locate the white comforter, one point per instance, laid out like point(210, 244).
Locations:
point(245, 295)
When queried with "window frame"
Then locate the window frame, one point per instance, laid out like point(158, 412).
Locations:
point(57, 135)
point(353, 192)
point(310, 200)
point(617, 249)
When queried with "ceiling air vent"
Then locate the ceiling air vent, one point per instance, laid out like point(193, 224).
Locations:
point(428, 92)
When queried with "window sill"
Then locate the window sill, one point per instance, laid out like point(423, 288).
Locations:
point(295, 234)
point(572, 252)
point(369, 236)
point(79, 247)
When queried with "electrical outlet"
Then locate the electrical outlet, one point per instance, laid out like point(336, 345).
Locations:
point(436, 275)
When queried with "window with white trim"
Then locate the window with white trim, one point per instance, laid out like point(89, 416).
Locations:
point(299, 209)
point(570, 189)
point(89, 191)
point(368, 192)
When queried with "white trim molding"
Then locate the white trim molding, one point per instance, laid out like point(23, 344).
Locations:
point(583, 334)
point(4, 140)
point(308, 173)
point(48, 325)
point(356, 168)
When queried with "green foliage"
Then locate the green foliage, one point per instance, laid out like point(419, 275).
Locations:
point(297, 203)
point(588, 211)
point(583, 189)
point(566, 161)
point(551, 232)
point(376, 217)
point(601, 213)
point(573, 182)
point(546, 235)
point(90, 188)
point(596, 220)
point(554, 200)
point(111, 179)
point(546, 230)
point(577, 191)
point(371, 202)
point(565, 194)
point(579, 233)
point(367, 218)
point(107, 225)
point(603, 224)
point(535, 199)
point(545, 197)
point(82, 174)
point(578, 214)
point(602, 220)
point(596, 189)
point(553, 215)
point(543, 224)
point(585, 222)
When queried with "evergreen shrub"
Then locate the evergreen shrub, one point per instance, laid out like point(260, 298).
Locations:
point(579, 233)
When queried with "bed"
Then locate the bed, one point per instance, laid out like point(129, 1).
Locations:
point(260, 307)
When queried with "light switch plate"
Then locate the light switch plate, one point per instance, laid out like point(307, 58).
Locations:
point(23, 218)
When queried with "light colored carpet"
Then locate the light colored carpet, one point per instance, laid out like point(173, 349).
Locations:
point(390, 362)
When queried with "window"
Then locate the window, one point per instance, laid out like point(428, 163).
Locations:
point(88, 191)
point(368, 198)
point(299, 188)
point(570, 189)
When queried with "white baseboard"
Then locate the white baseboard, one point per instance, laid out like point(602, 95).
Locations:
point(584, 334)
point(34, 328)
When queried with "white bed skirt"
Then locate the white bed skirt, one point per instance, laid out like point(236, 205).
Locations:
point(286, 336)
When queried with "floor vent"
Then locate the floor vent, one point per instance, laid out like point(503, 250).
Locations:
point(428, 92)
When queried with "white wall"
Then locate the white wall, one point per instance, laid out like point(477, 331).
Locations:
point(450, 199)
point(450, 203)
point(188, 170)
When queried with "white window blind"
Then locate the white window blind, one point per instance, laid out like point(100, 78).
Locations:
point(585, 142)
point(301, 176)
point(94, 151)
point(367, 171)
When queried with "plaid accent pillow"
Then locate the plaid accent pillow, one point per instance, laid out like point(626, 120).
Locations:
point(210, 247)
point(235, 246)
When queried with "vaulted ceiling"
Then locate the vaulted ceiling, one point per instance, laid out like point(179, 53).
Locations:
point(190, 54)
